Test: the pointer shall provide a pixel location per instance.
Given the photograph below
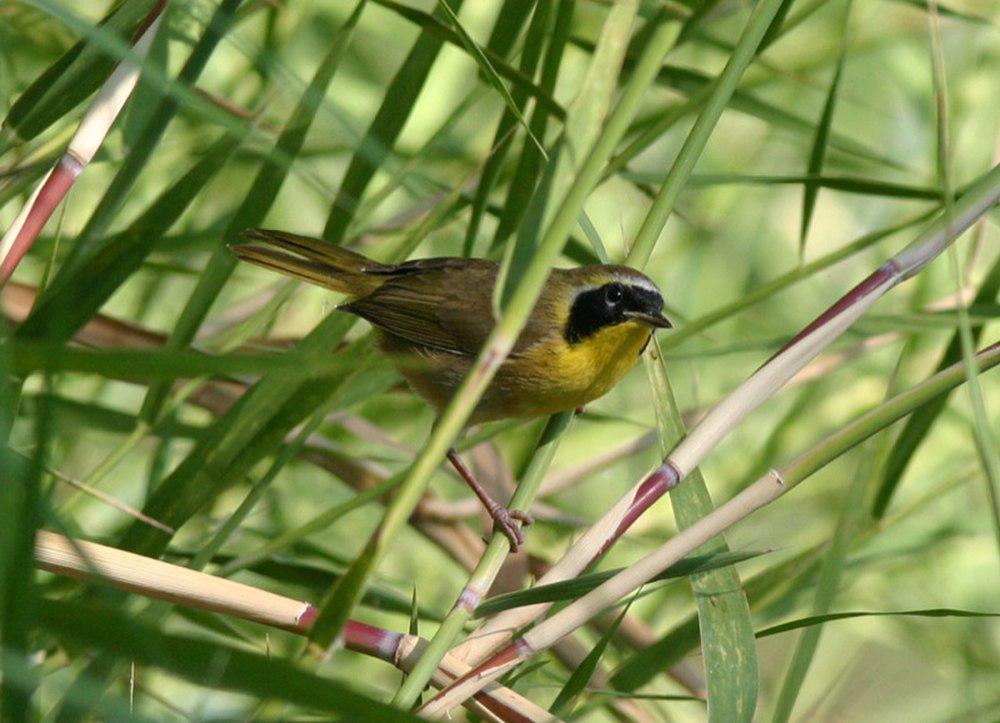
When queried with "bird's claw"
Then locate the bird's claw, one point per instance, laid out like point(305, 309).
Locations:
point(504, 521)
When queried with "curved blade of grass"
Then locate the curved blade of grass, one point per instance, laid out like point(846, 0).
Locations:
point(399, 100)
point(577, 682)
point(821, 619)
point(849, 184)
point(578, 586)
point(818, 153)
point(486, 68)
point(728, 647)
point(435, 25)
point(199, 661)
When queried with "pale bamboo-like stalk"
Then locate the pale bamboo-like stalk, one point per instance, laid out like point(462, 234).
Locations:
point(765, 490)
point(184, 586)
point(729, 412)
point(89, 136)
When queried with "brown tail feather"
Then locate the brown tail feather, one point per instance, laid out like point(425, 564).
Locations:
point(314, 260)
point(314, 249)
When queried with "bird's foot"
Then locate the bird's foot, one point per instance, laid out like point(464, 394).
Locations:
point(506, 520)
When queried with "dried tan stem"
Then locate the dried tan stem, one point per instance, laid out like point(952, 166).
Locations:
point(161, 580)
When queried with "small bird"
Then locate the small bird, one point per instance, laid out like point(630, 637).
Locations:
point(432, 317)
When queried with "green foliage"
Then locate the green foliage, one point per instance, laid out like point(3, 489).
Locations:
point(266, 430)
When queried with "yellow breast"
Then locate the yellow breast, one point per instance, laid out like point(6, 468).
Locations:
point(555, 375)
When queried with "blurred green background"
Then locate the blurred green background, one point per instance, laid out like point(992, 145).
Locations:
point(737, 226)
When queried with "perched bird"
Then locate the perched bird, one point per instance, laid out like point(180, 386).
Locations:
point(432, 316)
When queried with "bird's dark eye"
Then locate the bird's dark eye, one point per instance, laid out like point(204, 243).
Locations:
point(613, 295)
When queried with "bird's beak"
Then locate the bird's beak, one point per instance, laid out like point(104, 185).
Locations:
point(657, 320)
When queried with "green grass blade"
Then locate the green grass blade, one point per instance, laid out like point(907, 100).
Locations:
point(729, 650)
point(821, 619)
point(529, 163)
point(436, 26)
point(486, 68)
point(690, 81)
point(818, 153)
point(581, 585)
point(848, 184)
point(694, 144)
point(577, 682)
point(503, 138)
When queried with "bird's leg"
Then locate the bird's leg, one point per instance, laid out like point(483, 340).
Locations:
point(503, 519)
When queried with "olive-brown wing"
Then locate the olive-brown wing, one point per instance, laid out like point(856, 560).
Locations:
point(440, 303)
